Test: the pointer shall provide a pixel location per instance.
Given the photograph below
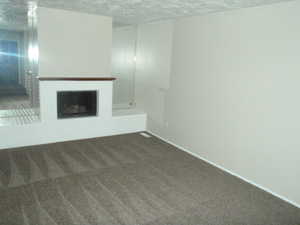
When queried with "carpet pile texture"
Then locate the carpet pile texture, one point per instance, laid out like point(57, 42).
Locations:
point(130, 180)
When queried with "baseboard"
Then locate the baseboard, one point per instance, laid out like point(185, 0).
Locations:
point(226, 170)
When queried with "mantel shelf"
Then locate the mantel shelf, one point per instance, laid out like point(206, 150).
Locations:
point(77, 78)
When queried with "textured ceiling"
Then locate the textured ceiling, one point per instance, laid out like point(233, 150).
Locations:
point(129, 11)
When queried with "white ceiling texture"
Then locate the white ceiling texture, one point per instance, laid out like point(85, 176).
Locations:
point(128, 11)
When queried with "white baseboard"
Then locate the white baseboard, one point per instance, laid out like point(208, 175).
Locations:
point(227, 171)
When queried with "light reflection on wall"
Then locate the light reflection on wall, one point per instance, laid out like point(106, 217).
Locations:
point(33, 53)
point(33, 50)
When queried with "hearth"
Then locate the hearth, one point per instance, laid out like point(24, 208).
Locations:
point(76, 104)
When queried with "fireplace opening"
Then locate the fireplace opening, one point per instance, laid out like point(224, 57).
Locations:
point(76, 104)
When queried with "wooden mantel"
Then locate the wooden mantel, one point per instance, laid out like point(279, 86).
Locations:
point(77, 78)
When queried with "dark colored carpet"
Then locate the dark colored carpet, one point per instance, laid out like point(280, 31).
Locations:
point(127, 179)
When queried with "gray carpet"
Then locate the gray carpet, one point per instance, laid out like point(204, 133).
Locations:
point(127, 179)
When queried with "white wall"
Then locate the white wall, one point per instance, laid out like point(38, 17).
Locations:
point(154, 47)
point(123, 65)
point(73, 44)
point(234, 92)
point(67, 130)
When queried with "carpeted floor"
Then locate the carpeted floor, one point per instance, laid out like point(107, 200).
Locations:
point(127, 179)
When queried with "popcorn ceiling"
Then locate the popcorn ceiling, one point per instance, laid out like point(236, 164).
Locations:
point(130, 11)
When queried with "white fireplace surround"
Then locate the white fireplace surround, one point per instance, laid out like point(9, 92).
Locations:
point(48, 97)
point(51, 129)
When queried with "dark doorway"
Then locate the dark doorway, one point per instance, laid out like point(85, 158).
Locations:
point(9, 62)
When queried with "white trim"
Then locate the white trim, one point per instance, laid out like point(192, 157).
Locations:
point(228, 171)
point(144, 134)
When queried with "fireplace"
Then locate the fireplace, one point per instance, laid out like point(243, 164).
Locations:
point(72, 104)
